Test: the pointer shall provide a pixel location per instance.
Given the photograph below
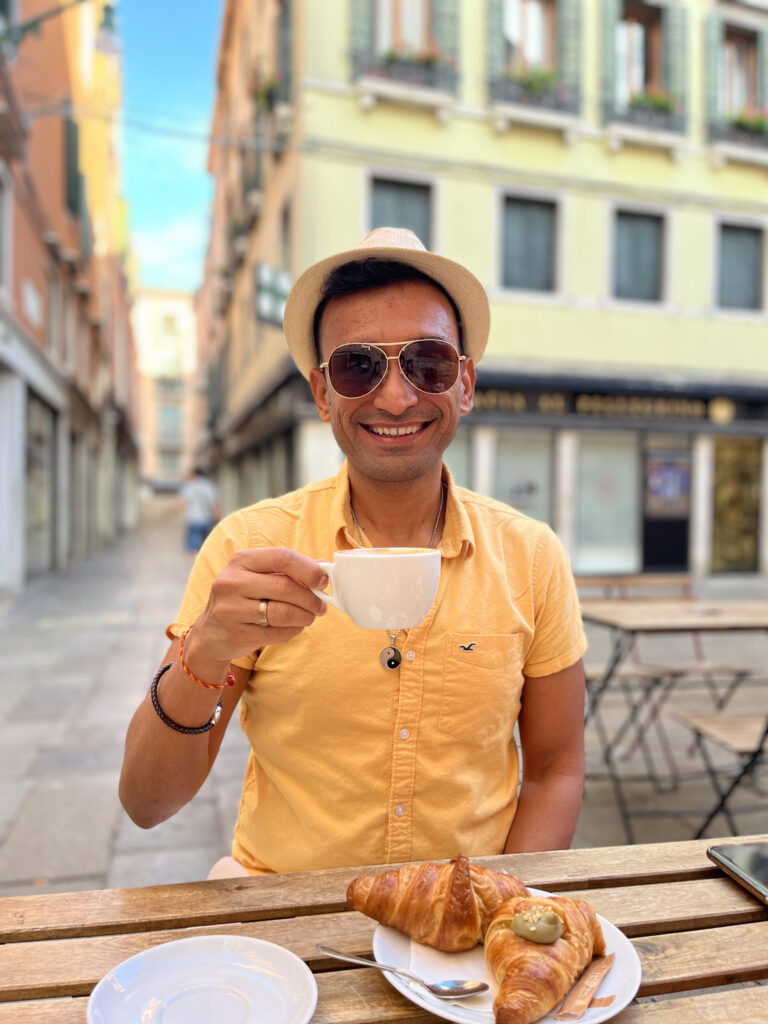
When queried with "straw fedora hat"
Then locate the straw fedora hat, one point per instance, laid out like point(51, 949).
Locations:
point(401, 245)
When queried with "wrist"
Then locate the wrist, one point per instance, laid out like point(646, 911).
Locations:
point(206, 671)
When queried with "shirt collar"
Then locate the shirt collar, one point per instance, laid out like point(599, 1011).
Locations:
point(458, 536)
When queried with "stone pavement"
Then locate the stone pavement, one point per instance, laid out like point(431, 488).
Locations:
point(77, 652)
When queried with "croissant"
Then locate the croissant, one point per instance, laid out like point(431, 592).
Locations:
point(534, 973)
point(448, 906)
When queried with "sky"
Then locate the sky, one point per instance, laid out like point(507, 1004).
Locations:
point(169, 52)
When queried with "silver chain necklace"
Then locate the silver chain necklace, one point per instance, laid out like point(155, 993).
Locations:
point(390, 657)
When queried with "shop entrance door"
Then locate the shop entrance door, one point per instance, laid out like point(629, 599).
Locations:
point(666, 510)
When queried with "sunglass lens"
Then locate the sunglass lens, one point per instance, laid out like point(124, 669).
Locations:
point(355, 370)
point(431, 366)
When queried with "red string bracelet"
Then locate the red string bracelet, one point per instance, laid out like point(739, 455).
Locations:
point(230, 681)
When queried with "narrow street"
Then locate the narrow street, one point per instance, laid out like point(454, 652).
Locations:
point(78, 652)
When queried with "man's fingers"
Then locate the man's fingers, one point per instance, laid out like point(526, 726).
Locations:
point(297, 566)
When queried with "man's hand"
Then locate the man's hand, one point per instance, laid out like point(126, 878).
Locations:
point(228, 627)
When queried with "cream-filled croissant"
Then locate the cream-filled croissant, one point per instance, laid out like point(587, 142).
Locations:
point(448, 906)
point(536, 947)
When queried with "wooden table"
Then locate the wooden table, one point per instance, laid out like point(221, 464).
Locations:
point(692, 927)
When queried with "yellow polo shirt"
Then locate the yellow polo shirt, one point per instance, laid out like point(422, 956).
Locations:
point(355, 764)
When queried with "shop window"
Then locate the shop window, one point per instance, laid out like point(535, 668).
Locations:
point(638, 257)
point(529, 30)
point(608, 505)
point(529, 245)
point(458, 457)
point(523, 476)
point(400, 204)
point(740, 284)
point(736, 505)
point(39, 484)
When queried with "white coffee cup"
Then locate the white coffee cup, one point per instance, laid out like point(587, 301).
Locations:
point(383, 588)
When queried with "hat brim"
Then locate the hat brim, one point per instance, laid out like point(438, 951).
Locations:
point(462, 286)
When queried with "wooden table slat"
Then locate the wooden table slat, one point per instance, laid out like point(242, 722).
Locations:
point(100, 912)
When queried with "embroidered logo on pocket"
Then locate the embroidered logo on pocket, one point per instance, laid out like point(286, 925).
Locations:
point(467, 647)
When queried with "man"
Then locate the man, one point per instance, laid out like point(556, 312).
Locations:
point(353, 762)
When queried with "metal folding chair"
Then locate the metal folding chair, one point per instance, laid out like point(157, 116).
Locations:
point(743, 736)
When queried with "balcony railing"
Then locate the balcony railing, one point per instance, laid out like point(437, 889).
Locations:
point(741, 131)
point(654, 119)
point(424, 73)
point(543, 94)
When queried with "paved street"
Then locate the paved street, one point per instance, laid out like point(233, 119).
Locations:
point(77, 654)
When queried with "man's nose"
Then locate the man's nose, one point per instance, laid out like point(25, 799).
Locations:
point(395, 394)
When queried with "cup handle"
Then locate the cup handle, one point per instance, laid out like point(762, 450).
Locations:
point(324, 595)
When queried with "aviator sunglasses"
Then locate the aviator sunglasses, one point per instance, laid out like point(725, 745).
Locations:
point(429, 364)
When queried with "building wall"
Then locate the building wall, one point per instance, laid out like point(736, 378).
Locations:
point(624, 400)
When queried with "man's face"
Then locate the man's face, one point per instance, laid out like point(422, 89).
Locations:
point(397, 433)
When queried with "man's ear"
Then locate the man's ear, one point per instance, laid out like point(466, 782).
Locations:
point(467, 385)
point(319, 387)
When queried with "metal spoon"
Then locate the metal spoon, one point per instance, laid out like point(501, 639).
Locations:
point(450, 989)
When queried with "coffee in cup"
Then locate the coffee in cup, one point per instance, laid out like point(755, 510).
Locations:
point(383, 588)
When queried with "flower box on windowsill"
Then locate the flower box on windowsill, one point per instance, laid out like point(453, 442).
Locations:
point(649, 126)
point(733, 141)
point(413, 82)
point(512, 101)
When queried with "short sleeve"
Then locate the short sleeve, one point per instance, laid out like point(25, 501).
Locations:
point(558, 639)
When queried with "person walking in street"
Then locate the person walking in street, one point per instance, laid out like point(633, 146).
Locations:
point(200, 498)
point(354, 759)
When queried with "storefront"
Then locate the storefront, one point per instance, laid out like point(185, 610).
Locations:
point(633, 480)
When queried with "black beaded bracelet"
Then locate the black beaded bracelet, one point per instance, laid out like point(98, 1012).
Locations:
point(169, 721)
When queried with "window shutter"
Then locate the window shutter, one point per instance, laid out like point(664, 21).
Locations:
point(86, 248)
point(741, 268)
point(674, 33)
point(494, 13)
point(569, 49)
point(638, 257)
point(361, 23)
point(762, 69)
point(529, 245)
point(445, 26)
point(611, 13)
point(399, 204)
point(713, 48)
point(72, 180)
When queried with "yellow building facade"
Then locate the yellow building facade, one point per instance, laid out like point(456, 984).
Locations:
point(602, 167)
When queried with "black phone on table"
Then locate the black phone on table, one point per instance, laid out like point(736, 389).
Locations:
point(746, 863)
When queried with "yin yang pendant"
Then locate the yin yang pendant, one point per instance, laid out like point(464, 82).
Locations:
point(390, 658)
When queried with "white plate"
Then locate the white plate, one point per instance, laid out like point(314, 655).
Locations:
point(210, 979)
point(396, 949)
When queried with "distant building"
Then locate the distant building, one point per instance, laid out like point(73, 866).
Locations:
point(601, 167)
point(165, 331)
point(68, 481)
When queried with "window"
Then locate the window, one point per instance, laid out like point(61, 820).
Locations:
point(638, 52)
point(638, 260)
point(739, 71)
point(529, 34)
point(169, 423)
point(740, 284)
point(402, 24)
point(400, 204)
point(529, 245)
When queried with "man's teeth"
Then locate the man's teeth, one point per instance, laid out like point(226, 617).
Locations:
point(395, 431)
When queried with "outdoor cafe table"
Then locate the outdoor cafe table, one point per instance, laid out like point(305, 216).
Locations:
point(693, 928)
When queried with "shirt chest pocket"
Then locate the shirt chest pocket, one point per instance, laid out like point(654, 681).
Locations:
point(482, 682)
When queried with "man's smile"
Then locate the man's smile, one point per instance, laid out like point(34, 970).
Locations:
point(394, 431)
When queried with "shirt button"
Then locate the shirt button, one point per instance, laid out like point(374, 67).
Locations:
point(410, 656)
point(404, 734)
point(400, 810)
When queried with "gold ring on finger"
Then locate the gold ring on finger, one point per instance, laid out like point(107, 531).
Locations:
point(262, 614)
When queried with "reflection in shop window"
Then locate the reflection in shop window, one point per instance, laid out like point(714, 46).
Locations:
point(736, 505)
point(608, 505)
point(524, 472)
